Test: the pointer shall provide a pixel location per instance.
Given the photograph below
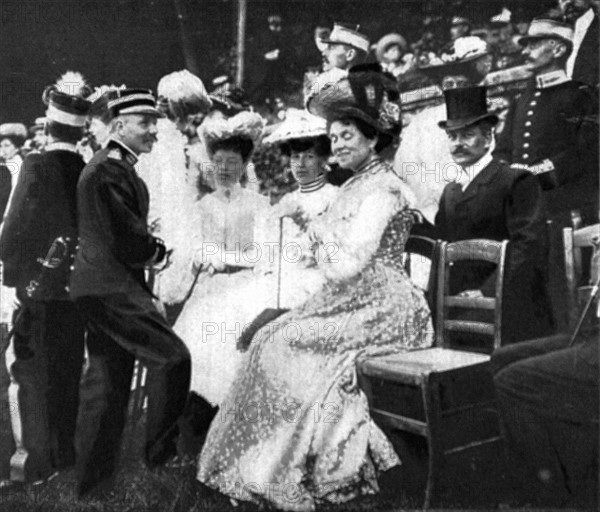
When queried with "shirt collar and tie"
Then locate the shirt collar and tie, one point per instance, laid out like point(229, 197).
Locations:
point(469, 173)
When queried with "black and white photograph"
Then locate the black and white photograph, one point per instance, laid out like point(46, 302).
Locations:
point(299, 255)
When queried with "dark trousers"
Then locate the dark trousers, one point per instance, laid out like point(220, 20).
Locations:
point(48, 349)
point(121, 329)
point(548, 399)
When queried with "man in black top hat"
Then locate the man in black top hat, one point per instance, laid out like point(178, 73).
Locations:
point(552, 131)
point(109, 287)
point(489, 200)
point(48, 331)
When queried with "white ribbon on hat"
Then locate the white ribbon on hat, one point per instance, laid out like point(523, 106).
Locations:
point(62, 117)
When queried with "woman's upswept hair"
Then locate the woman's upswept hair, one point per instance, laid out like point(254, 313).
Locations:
point(320, 145)
point(239, 144)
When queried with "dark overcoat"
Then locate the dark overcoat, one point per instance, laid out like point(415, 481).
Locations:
point(501, 203)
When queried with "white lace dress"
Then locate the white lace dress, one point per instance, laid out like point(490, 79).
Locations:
point(222, 303)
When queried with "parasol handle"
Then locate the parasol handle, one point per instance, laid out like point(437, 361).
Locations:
point(280, 256)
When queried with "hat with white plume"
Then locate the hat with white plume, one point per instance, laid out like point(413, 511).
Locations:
point(67, 100)
point(182, 93)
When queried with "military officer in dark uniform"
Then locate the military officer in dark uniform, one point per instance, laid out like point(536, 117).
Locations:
point(551, 131)
point(108, 285)
point(48, 331)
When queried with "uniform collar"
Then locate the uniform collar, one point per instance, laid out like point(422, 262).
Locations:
point(551, 79)
point(120, 151)
point(60, 146)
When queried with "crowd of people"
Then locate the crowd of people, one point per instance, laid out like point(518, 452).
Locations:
point(143, 227)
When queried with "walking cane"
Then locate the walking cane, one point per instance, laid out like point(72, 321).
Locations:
point(268, 314)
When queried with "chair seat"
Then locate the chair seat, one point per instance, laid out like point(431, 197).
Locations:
point(400, 386)
point(420, 362)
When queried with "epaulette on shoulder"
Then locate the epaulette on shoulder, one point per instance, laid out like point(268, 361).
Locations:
point(115, 154)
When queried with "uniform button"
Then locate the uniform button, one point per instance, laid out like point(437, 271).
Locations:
point(530, 112)
point(537, 93)
point(526, 145)
point(533, 103)
point(526, 134)
point(527, 123)
point(67, 289)
point(72, 267)
point(525, 156)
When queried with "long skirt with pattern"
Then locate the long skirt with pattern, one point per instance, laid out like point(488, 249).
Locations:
point(294, 429)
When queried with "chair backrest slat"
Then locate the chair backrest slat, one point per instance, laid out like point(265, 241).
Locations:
point(470, 327)
point(471, 302)
point(478, 249)
point(491, 251)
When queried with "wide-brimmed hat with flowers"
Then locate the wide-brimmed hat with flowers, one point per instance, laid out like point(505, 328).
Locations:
point(298, 124)
point(457, 59)
point(248, 125)
point(365, 93)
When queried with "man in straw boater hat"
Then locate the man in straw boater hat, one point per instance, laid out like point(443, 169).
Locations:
point(489, 200)
point(551, 131)
point(109, 287)
point(346, 47)
point(36, 247)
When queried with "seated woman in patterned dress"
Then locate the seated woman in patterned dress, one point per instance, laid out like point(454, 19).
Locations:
point(294, 430)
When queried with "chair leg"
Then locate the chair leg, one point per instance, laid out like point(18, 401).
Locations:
point(139, 393)
point(435, 450)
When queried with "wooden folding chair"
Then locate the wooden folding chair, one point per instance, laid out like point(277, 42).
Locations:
point(575, 242)
point(443, 395)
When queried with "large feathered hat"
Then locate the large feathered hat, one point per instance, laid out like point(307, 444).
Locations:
point(182, 93)
point(366, 93)
point(67, 100)
point(247, 125)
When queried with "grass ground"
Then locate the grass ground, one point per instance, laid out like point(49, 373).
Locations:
point(137, 489)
